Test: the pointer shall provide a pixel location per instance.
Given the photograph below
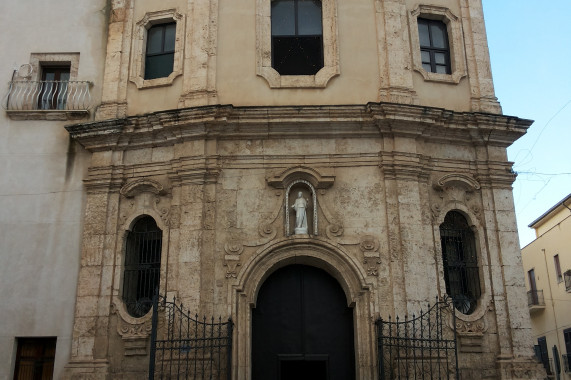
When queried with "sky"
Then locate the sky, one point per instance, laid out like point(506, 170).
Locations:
point(530, 52)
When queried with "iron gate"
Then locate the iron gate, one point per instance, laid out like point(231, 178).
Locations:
point(419, 348)
point(184, 347)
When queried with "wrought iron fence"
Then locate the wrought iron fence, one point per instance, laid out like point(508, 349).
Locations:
point(535, 298)
point(184, 347)
point(48, 95)
point(419, 348)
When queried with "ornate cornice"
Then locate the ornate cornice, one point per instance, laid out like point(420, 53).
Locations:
point(355, 121)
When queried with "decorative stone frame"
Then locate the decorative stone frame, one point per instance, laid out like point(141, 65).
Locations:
point(314, 252)
point(140, 42)
point(264, 67)
point(135, 331)
point(455, 42)
point(120, 261)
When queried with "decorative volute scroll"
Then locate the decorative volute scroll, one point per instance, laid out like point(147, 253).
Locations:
point(142, 185)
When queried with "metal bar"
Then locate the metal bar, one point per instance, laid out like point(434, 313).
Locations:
point(154, 324)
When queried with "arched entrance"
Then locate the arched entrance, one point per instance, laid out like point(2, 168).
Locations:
point(302, 327)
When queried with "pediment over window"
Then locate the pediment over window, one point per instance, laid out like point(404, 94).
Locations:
point(457, 180)
point(142, 185)
point(280, 180)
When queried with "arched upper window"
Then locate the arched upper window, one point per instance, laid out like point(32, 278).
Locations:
point(461, 272)
point(142, 266)
point(297, 37)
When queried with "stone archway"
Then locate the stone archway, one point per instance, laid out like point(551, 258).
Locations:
point(317, 253)
point(302, 327)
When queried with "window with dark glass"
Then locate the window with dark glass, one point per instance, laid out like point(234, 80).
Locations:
point(461, 272)
point(35, 359)
point(53, 89)
point(142, 266)
point(297, 37)
point(159, 56)
point(434, 47)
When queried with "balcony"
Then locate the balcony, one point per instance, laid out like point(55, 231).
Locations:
point(48, 100)
point(535, 300)
point(566, 360)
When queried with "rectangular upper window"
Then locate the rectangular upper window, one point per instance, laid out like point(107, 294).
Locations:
point(297, 37)
point(35, 359)
point(159, 54)
point(434, 47)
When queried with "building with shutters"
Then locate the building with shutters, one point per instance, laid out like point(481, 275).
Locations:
point(547, 266)
point(306, 170)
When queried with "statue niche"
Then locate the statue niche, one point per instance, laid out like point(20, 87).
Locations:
point(300, 209)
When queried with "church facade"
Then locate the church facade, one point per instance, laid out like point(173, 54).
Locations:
point(303, 168)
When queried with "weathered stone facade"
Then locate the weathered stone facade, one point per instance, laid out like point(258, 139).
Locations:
point(379, 173)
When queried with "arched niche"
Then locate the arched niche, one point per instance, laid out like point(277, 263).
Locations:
point(300, 190)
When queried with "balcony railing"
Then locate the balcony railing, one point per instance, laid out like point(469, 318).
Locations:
point(535, 298)
point(48, 96)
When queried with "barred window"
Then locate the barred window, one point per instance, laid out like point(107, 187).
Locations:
point(142, 266)
point(461, 272)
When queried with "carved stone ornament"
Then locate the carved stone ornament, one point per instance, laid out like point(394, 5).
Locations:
point(372, 258)
point(135, 332)
point(142, 185)
point(233, 249)
point(453, 188)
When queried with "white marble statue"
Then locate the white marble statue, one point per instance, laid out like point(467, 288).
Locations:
point(300, 207)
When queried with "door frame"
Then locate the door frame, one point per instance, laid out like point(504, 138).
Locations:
point(313, 252)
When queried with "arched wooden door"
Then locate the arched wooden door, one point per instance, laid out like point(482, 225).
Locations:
point(302, 327)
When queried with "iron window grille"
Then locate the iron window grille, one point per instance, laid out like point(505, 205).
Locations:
point(297, 37)
point(142, 266)
point(557, 268)
point(567, 277)
point(461, 271)
point(159, 55)
point(434, 46)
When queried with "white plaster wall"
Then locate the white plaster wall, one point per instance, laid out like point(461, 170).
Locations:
point(41, 191)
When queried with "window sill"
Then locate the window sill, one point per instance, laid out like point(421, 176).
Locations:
point(453, 78)
point(319, 80)
point(47, 114)
point(157, 82)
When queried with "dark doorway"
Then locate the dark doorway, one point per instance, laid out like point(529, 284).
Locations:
point(302, 327)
